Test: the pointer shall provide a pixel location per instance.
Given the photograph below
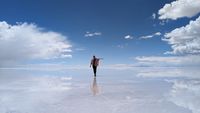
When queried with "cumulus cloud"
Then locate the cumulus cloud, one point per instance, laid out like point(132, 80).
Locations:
point(189, 60)
point(28, 41)
point(150, 36)
point(179, 8)
point(185, 40)
point(128, 37)
point(89, 34)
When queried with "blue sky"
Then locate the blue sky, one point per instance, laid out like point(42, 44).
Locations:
point(111, 20)
point(152, 45)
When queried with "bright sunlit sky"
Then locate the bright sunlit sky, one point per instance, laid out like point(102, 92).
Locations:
point(128, 32)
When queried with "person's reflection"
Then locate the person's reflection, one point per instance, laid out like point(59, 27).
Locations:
point(95, 88)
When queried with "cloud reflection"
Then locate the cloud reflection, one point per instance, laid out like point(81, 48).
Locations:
point(185, 90)
point(21, 93)
point(176, 91)
point(186, 93)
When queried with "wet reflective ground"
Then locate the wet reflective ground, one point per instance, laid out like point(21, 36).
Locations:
point(137, 90)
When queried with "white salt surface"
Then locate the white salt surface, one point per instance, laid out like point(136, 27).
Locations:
point(143, 90)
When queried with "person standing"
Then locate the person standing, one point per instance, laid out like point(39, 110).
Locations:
point(94, 63)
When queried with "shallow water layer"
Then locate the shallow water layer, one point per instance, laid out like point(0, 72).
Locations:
point(137, 90)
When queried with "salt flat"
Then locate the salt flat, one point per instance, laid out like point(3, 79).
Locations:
point(137, 90)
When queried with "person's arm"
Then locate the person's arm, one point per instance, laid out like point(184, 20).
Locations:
point(100, 58)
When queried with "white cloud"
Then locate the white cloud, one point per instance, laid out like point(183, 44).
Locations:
point(49, 67)
point(121, 46)
point(89, 34)
point(66, 56)
point(189, 60)
point(169, 72)
point(80, 49)
point(146, 37)
point(154, 16)
point(158, 59)
point(27, 41)
point(128, 37)
point(180, 8)
point(163, 22)
point(157, 34)
point(185, 40)
point(119, 66)
point(151, 36)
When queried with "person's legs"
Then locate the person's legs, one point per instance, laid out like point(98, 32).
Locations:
point(94, 70)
